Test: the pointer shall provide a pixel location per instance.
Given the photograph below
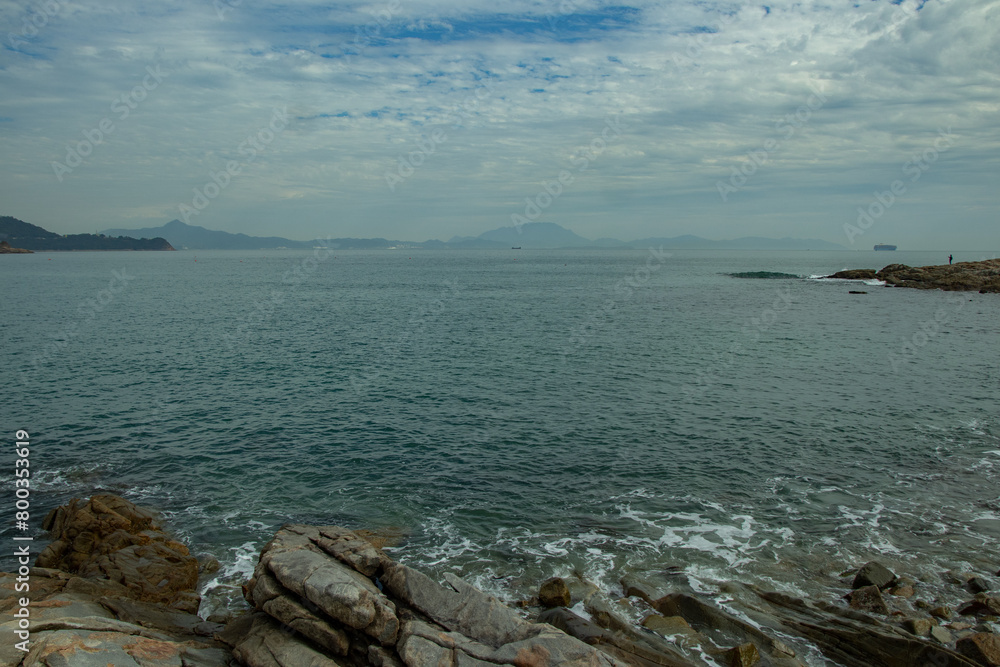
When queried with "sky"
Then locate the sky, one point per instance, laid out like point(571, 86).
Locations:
point(853, 122)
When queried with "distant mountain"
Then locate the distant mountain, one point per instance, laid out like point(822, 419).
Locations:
point(528, 235)
point(535, 235)
point(23, 234)
point(191, 237)
point(744, 243)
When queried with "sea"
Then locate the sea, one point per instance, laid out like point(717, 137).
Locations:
point(510, 415)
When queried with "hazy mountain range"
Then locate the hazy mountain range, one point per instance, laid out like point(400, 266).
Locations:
point(530, 235)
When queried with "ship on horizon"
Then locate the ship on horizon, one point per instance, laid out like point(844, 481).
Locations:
point(884, 246)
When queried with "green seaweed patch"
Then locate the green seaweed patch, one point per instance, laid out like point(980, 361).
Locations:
point(765, 275)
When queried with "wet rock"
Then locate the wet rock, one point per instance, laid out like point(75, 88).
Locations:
point(744, 655)
point(958, 626)
point(942, 612)
point(854, 639)
point(977, 585)
point(905, 592)
point(981, 605)
point(921, 627)
point(854, 274)
point(983, 648)
point(554, 593)
point(708, 619)
point(942, 635)
point(869, 599)
point(635, 650)
point(874, 574)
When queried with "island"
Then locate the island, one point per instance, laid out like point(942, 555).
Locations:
point(26, 236)
point(983, 276)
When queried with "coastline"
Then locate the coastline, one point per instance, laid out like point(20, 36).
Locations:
point(982, 276)
point(109, 555)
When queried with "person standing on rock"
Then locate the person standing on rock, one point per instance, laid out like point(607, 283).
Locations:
point(949, 259)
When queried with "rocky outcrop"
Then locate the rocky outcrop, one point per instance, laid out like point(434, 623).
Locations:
point(325, 596)
point(6, 249)
point(108, 537)
point(111, 589)
point(981, 276)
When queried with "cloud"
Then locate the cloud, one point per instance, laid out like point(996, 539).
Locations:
point(518, 91)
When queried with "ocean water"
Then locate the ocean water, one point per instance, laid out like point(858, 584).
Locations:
point(512, 415)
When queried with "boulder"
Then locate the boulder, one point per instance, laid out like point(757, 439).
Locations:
point(942, 635)
point(554, 593)
point(874, 574)
point(869, 599)
point(744, 655)
point(921, 627)
point(983, 648)
point(324, 594)
point(977, 585)
point(981, 605)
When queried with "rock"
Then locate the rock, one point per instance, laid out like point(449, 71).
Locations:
point(869, 599)
point(942, 635)
point(857, 292)
point(631, 650)
point(983, 276)
point(942, 612)
point(327, 583)
point(983, 648)
point(920, 627)
point(981, 605)
point(958, 626)
point(852, 639)
point(554, 593)
point(977, 585)
point(706, 619)
point(208, 564)
point(109, 537)
point(902, 591)
point(744, 655)
point(854, 274)
point(260, 641)
point(874, 574)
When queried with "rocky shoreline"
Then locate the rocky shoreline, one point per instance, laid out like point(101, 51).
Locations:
point(114, 589)
point(983, 276)
point(7, 249)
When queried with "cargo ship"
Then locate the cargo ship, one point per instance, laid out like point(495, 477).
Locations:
point(884, 246)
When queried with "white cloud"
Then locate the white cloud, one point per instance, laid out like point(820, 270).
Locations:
point(692, 105)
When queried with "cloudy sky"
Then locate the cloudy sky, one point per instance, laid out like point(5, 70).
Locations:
point(418, 119)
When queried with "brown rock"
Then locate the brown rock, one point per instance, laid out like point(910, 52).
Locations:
point(744, 655)
point(982, 647)
point(981, 605)
point(554, 593)
point(108, 537)
point(869, 599)
point(920, 627)
point(903, 591)
point(942, 612)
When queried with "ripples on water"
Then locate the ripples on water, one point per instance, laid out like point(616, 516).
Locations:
point(515, 416)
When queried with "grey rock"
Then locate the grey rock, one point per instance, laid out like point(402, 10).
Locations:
point(874, 574)
point(339, 591)
point(258, 640)
point(942, 635)
point(636, 650)
point(350, 549)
